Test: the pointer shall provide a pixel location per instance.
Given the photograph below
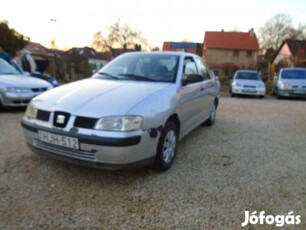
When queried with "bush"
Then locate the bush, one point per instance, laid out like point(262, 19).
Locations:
point(269, 83)
point(224, 80)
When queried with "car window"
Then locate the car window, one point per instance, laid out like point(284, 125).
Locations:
point(294, 74)
point(6, 68)
point(247, 76)
point(142, 66)
point(202, 69)
point(190, 66)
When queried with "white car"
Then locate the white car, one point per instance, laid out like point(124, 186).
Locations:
point(131, 113)
point(247, 82)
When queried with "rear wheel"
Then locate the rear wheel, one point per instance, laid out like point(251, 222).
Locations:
point(166, 148)
point(211, 120)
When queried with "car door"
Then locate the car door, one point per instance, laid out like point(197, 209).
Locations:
point(208, 87)
point(191, 101)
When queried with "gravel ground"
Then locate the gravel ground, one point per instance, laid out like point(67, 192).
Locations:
point(253, 158)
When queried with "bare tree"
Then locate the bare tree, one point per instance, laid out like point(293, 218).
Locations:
point(119, 36)
point(278, 29)
point(275, 31)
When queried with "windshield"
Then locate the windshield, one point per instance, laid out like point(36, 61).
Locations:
point(247, 76)
point(6, 68)
point(294, 74)
point(154, 67)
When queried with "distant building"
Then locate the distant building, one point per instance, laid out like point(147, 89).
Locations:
point(291, 53)
point(82, 62)
point(44, 57)
point(225, 51)
point(189, 47)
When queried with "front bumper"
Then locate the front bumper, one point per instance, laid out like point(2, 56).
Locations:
point(248, 91)
point(16, 99)
point(131, 150)
point(292, 93)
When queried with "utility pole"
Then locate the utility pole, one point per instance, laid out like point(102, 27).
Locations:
point(53, 46)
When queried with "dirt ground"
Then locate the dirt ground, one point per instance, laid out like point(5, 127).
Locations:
point(253, 159)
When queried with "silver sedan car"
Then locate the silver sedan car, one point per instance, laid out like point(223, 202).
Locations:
point(291, 82)
point(131, 113)
point(17, 89)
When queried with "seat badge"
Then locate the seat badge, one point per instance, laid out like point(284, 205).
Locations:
point(60, 119)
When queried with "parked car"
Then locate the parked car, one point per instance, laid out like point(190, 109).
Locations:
point(17, 89)
point(247, 82)
point(131, 113)
point(290, 82)
point(39, 75)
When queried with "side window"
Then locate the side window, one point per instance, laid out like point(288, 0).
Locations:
point(202, 69)
point(190, 66)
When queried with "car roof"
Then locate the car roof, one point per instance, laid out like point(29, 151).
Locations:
point(293, 68)
point(176, 53)
point(246, 71)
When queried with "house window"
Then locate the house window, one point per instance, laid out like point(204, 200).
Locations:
point(249, 54)
point(235, 53)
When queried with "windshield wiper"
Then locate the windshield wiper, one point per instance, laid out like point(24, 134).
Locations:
point(137, 77)
point(108, 76)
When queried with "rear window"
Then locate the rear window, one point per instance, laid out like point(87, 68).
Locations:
point(294, 74)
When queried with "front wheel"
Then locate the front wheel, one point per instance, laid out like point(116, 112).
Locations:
point(166, 148)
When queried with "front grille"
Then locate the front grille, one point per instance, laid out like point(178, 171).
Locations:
point(43, 115)
point(61, 119)
point(85, 122)
point(249, 86)
point(21, 102)
point(82, 155)
point(36, 90)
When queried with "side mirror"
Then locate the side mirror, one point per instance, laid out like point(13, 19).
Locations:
point(191, 78)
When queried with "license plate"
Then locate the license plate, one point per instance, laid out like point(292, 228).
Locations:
point(60, 140)
point(299, 92)
point(248, 91)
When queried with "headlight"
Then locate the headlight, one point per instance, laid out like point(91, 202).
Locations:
point(236, 84)
point(119, 123)
point(31, 111)
point(261, 86)
point(17, 90)
point(284, 85)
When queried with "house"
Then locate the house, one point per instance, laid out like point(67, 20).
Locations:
point(190, 47)
point(226, 51)
point(42, 56)
point(291, 53)
point(82, 62)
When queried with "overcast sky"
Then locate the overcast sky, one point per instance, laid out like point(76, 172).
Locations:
point(159, 20)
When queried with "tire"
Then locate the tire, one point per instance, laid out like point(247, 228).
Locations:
point(211, 120)
point(1, 106)
point(166, 148)
point(277, 95)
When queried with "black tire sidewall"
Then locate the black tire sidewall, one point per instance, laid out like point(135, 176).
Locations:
point(160, 164)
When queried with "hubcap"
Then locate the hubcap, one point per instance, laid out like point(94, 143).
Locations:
point(169, 146)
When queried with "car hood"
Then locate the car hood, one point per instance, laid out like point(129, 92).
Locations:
point(97, 98)
point(22, 81)
point(295, 82)
point(249, 82)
